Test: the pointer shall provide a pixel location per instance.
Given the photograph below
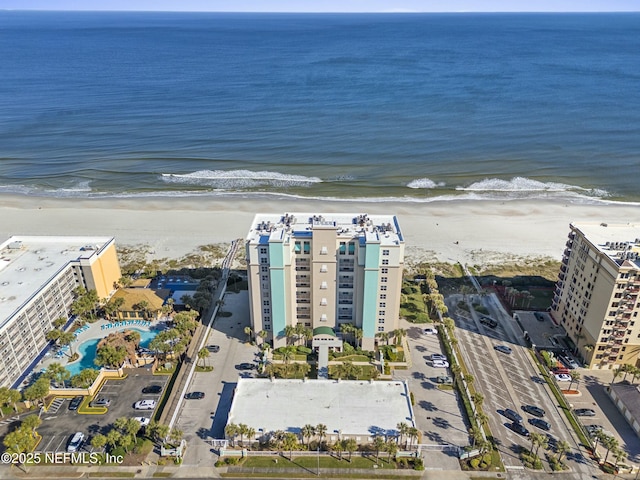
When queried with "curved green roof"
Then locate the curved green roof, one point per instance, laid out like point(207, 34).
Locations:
point(324, 331)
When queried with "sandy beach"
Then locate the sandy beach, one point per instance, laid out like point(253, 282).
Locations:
point(451, 231)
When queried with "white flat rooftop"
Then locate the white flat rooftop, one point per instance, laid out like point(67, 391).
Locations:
point(351, 407)
point(614, 239)
point(27, 264)
point(382, 228)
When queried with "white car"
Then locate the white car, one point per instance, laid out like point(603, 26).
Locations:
point(145, 405)
point(430, 331)
point(76, 442)
point(437, 356)
point(440, 363)
point(563, 377)
point(144, 421)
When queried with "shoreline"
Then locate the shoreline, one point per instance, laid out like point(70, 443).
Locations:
point(449, 231)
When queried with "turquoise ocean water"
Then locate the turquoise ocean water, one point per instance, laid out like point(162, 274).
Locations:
point(409, 107)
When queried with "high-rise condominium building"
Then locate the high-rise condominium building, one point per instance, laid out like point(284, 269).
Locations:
point(323, 270)
point(596, 297)
point(37, 279)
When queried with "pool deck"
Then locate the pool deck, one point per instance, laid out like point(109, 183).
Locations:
point(93, 331)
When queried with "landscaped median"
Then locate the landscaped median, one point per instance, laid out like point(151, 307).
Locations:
point(562, 401)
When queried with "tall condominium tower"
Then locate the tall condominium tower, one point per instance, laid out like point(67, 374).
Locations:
point(323, 270)
point(596, 297)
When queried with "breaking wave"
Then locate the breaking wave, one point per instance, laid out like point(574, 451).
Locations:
point(526, 186)
point(424, 183)
point(234, 179)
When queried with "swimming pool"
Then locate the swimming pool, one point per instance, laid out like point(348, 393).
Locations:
point(87, 350)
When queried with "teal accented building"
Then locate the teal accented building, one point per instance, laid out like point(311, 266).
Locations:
point(324, 270)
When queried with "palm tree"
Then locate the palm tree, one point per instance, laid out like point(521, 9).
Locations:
point(308, 431)
point(378, 444)
point(31, 422)
point(477, 398)
point(203, 354)
point(575, 377)
point(618, 454)
point(289, 333)
point(251, 433)
point(242, 431)
point(403, 429)
point(57, 373)
point(414, 433)
point(610, 443)
point(350, 445)
point(562, 447)
point(481, 417)
point(616, 373)
point(338, 447)
point(540, 441)
point(321, 431)
point(67, 338)
point(248, 332)
point(392, 449)
point(476, 435)
point(290, 442)
point(231, 431)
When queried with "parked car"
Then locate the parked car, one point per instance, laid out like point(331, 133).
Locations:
point(101, 402)
point(563, 377)
point(553, 442)
point(541, 424)
point(489, 322)
point(559, 370)
point(512, 415)
point(152, 389)
point(503, 349)
point(593, 429)
point(194, 395)
point(75, 442)
point(245, 366)
point(444, 379)
point(569, 362)
point(430, 331)
point(145, 405)
point(437, 356)
point(519, 428)
point(75, 403)
point(533, 410)
point(585, 412)
point(440, 364)
point(539, 316)
point(213, 348)
point(144, 421)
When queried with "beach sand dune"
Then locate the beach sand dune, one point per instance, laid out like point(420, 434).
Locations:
point(451, 231)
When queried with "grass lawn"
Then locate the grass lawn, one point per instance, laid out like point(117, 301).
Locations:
point(353, 358)
point(311, 462)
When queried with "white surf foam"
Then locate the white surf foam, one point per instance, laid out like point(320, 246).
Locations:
point(231, 179)
point(527, 186)
point(425, 183)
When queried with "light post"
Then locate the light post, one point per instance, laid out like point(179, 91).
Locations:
point(318, 455)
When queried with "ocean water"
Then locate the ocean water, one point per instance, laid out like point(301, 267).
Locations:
point(405, 107)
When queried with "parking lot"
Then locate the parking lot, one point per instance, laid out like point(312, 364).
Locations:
point(204, 420)
point(438, 413)
point(511, 380)
point(59, 423)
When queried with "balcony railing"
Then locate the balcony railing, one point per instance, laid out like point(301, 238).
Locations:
point(303, 300)
point(302, 284)
point(345, 301)
point(346, 269)
point(345, 285)
point(303, 269)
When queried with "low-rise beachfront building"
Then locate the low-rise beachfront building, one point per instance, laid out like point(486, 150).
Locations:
point(141, 303)
point(37, 279)
point(354, 409)
point(596, 296)
point(324, 270)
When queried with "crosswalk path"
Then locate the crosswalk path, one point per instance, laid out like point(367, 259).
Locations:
point(55, 405)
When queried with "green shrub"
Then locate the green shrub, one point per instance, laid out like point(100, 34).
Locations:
point(474, 463)
point(462, 305)
point(347, 349)
point(418, 464)
point(413, 400)
point(304, 350)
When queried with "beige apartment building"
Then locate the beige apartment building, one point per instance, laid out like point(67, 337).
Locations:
point(37, 279)
point(596, 296)
point(323, 270)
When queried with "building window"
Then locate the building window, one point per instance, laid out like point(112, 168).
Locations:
point(382, 304)
point(264, 269)
point(384, 270)
point(383, 288)
point(263, 250)
point(297, 247)
point(264, 260)
point(385, 261)
point(381, 313)
point(343, 248)
point(265, 303)
point(381, 328)
point(323, 286)
point(383, 279)
point(323, 302)
point(324, 251)
point(267, 318)
point(267, 326)
point(265, 278)
point(266, 310)
point(323, 269)
point(381, 320)
point(323, 317)
point(306, 248)
point(383, 296)
point(385, 252)
point(352, 248)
